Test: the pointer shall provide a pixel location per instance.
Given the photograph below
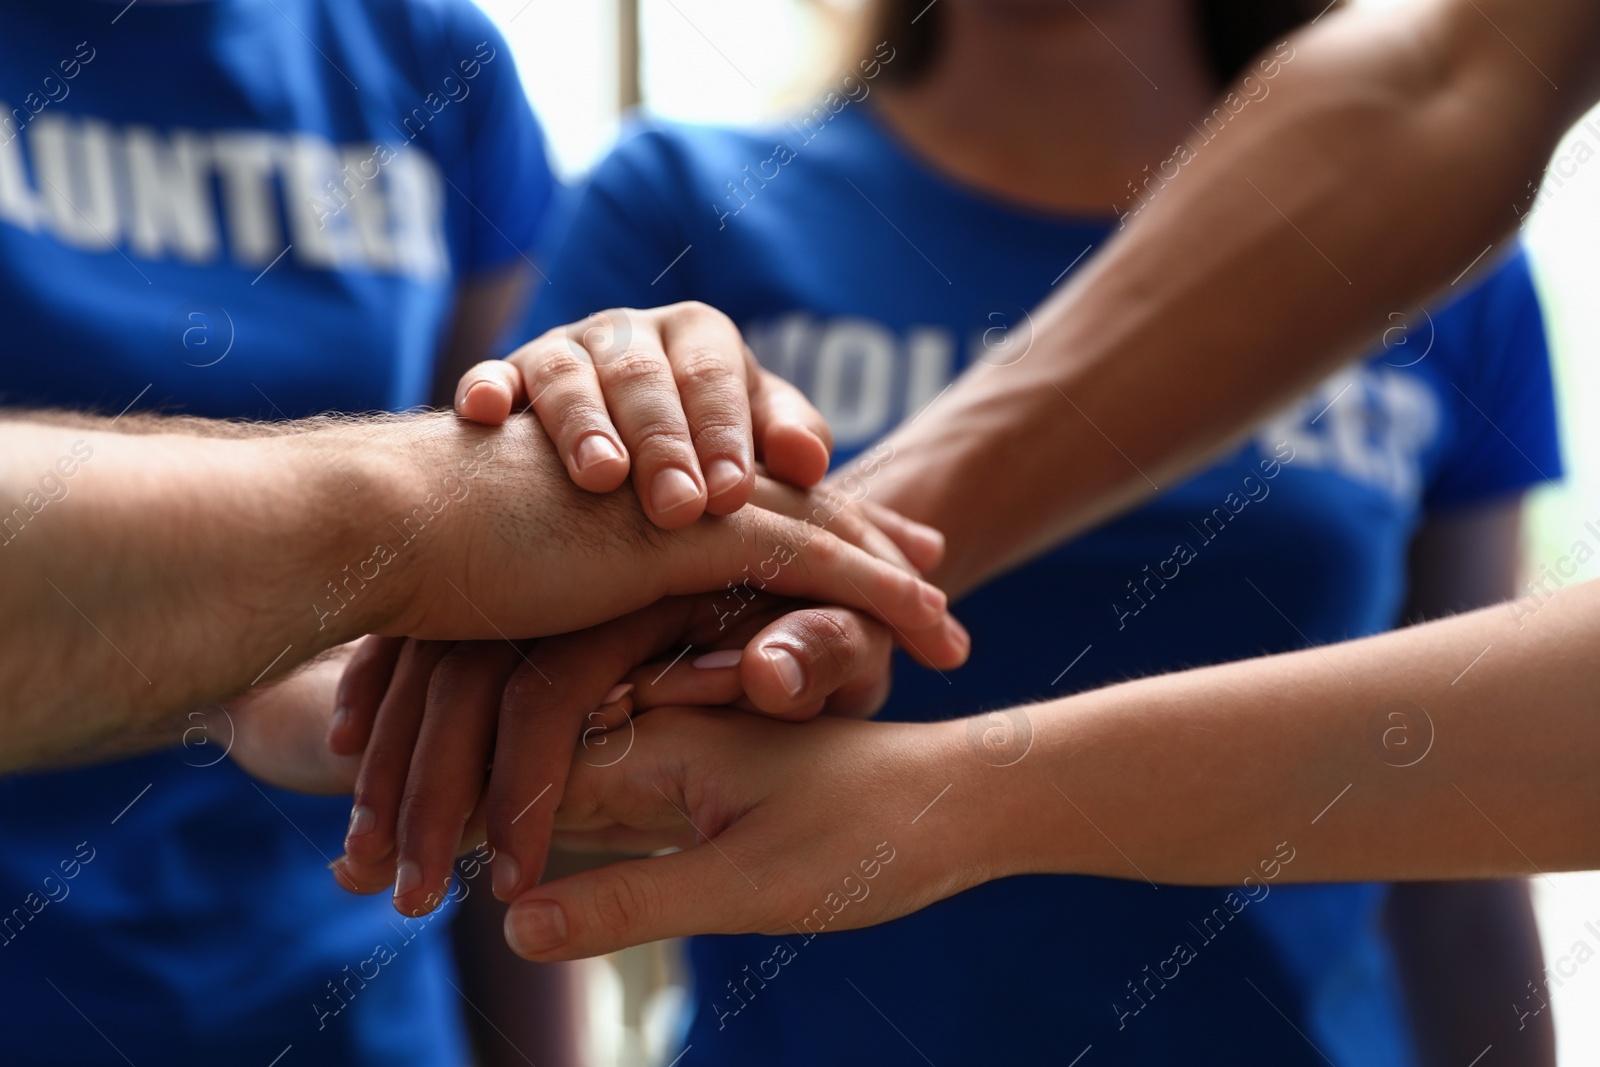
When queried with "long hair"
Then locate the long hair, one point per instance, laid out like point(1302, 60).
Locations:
point(1233, 32)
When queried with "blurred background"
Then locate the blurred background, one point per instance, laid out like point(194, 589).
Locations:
point(726, 62)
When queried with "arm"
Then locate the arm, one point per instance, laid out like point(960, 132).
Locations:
point(175, 567)
point(1466, 949)
point(1286, 768)
point(1391, 154)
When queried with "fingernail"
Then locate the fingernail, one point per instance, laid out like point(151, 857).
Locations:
point(788, 667)
point(933, 598)
point(728, 657)
point(671, 490)
point(407, 876)
point(476, 387)
point(617, 693)
point(537, 926)
point(341, 715)
point(363, 820)
point(506, 875)
point(722, 475)
point(596, 448)
point(341, 875)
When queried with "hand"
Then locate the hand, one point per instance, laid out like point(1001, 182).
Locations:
point(807, 828)
point(277, 733)
point(511, 547)
point(434, 722)
point(812, 660)
point(672, 393)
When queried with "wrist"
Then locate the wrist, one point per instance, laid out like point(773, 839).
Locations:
point(1019, 817)
point(395, 493)
point(982, 758)
point(973, 472)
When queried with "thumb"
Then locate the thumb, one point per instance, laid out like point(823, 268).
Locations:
point(697, 891)
point(488, 391)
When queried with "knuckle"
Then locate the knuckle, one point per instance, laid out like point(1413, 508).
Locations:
point(829, 640)
point(417, 810)
point(704, 368)
point(552, 367)
point(621, 901)
point(606, 333)
point(700, 311)
point(519, 699)
point(635, 366)
point(844, 524)
point(715, 435)
point(574, 413)
point(825, 549)
point(661, 438)
point(456, 664)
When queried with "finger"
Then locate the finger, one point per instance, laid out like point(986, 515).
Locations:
point(369, 842)
point(449, 768)
point(942, 644)
point(615, 710)
point(710, 680)
point(792, 437)
point(361, 689)
point(472, 840)
point(641, 393)
point(829, 509)
point(818, 659)
point(538, 729)
point(488, 391)
point(697, 891)
point(564, 699)
point(709, 366)
point(788, 556)
point(559, 375)
point(811, 661)
point(922, 544)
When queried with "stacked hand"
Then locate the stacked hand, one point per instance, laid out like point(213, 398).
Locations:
point(431, 716)
point(465, 741)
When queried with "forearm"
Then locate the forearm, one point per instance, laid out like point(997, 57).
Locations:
point(1388, 156)
point(1197, 777)
point(174, 569)
point(168, 570)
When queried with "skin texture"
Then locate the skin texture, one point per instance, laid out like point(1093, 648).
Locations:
point(670, 395)
point(1272, 768)
point(1153, 368)
point(1384, 162)
point(1466, 949)
point(430, 715)
point(124, 591)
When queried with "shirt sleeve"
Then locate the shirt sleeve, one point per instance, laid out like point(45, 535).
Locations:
point(1504, 397)
point(617, 239)
point(510, 183)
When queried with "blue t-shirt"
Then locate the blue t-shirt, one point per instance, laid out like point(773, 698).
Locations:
point(870, 281)
point(233, 208)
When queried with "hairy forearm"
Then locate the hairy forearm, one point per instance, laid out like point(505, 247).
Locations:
point(1464, 748)
point(148, 572)
point(170, 569)
point(1388, 156)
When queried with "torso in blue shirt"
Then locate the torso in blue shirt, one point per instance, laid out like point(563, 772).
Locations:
point(869, 281)
point(233, 208)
